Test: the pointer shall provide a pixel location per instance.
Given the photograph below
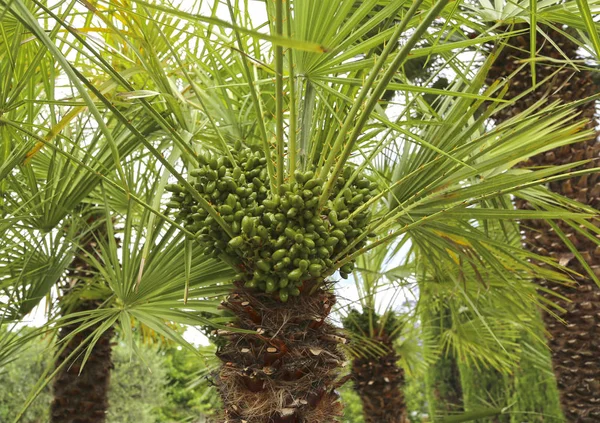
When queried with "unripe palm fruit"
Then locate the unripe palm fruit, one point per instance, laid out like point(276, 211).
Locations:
point(280, 241)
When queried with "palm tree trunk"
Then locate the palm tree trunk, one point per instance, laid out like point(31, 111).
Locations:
point(377, 378)
point(285, 368)
point(379, 382)
point(575, 343)
point(81, 392)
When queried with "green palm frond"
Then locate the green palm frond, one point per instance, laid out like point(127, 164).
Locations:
point(154, 298)
point(14, 340)
point(30, 266)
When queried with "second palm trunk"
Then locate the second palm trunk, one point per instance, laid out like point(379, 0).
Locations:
point(81, 391)
point(376, 376)
point(575, 342)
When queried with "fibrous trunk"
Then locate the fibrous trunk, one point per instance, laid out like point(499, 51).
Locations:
point(379, 382)
point(575, 343)
point(81, 391)
point(285, 368)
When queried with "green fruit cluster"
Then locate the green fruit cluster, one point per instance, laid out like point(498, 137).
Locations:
point(279, 240)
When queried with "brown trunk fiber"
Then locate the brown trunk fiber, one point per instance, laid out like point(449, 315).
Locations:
point(576, 343)
point(81, 393)
point(379, 381)
point(286, 369)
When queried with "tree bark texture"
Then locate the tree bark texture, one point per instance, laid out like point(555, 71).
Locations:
point(575, 343)
point(81, 392)
point(286, 368)
point(379, 382)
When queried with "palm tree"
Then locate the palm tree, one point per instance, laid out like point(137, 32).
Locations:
point(560, 74)
point(73, 378)
point(44, 193)
point(106, 289)
point(379, 380)
point(558, 77)
point(454, 380)
point(493, 348)
point(455, 385)
point(376, 375)
point(278, 114)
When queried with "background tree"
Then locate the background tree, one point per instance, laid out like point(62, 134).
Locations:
point(443, 384)
point(139, 384)
point(148, 385)
point(72, 378)
point(455, 383)
point(54, 227)
point(376, 375)
point(560, 73)
point(190, 392)
point(558, 77)
point(445, 302)
point(18, 378)
point(39, 250)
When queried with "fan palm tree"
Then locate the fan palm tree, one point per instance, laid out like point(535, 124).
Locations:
point(455, 385)
point(376, 375)
point(281, 114)
point(510, 338)
point(43, 192)
point(486, 345)
point(45, 196)
point(561, 74)
point(443, 311)
point(72, 378)
point(112, 279)
point(442, 381)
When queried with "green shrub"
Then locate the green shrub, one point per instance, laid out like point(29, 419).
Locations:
point(18, 378)
point(138, 385)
